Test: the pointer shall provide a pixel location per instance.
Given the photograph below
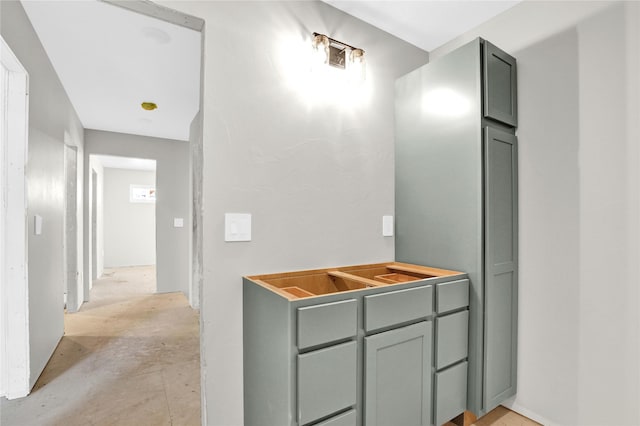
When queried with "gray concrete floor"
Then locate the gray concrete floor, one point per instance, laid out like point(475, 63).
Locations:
point(128, 357)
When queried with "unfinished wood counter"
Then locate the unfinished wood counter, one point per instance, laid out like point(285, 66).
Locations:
point(318, 282)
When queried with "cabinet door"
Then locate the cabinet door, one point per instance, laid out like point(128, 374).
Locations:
point(398, 376)
point(344, 419)
point(500, 99)
point(501, 267)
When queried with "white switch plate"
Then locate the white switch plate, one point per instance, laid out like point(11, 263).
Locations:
point(37, 224)
point(387, 226)
point(178, 222)
point(237, 227)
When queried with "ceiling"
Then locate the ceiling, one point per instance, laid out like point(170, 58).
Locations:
point(115, 162)
point(111, 59)
point(427, 24)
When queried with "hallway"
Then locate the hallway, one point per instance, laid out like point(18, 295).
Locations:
point(128, 357)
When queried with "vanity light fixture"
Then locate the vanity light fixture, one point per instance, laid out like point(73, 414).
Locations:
point(335, 53)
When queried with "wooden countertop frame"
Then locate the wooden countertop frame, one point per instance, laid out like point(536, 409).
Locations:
point(310, 283)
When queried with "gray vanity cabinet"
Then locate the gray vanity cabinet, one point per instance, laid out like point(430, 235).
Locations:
point(456, 201)
point(397, 376)
point(355, 346)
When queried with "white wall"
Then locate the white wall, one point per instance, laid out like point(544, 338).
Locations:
point(173, 268)
point(315, 172)
point(129, 228)
point(50, 116)
point(579, 323)
point(94, 166)
point(195, 189)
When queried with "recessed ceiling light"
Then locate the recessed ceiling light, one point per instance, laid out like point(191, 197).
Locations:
point(149, 106)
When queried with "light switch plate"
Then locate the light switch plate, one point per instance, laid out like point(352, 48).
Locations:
point(387, 226)
point(178, 222)
point(37, 225)
point(237, 227)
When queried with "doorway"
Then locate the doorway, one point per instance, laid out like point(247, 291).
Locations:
point(123, 216)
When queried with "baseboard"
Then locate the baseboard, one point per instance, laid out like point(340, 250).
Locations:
point(514, 406)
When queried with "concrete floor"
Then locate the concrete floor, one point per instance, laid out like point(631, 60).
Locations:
point(128, 357)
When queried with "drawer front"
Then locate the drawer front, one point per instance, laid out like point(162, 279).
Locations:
point(387, 309)
point(326, 381)
point(451, 393)
point(452, 295)
point(327, 323)
point(452, 334)
point(344, 419)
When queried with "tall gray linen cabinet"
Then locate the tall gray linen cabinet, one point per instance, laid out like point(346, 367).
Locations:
point(456, 197)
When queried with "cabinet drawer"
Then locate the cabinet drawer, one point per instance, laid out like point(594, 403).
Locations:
point(344, 419)
point(327, 323)
point(452, 334)
point(387, 309)
point(326, 381)
point(451, 393)
point(452, 295)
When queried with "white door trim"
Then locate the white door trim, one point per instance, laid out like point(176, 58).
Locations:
point(14, 290)
point(72, 299)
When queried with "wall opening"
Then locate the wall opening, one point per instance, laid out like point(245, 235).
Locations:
point(123, 216)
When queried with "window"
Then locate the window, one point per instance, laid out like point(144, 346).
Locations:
point(142, 194)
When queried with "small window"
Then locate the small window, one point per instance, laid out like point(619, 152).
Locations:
point(142, 194)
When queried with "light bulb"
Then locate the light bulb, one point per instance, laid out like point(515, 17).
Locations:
point(357, 67)
point(320, 45)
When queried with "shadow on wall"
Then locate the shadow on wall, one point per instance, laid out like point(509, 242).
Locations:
point(549, 203)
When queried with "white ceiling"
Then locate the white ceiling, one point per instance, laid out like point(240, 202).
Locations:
point(114, 162)
point(427, 24)
point(110, 60)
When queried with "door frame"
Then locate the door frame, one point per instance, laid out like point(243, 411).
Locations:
point(14, 289)
point(73, 293)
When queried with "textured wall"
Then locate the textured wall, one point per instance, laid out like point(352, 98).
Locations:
point(579, 326)
point(50, 116)
point(312, 162)
point(172, 182)
point(129, 228)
